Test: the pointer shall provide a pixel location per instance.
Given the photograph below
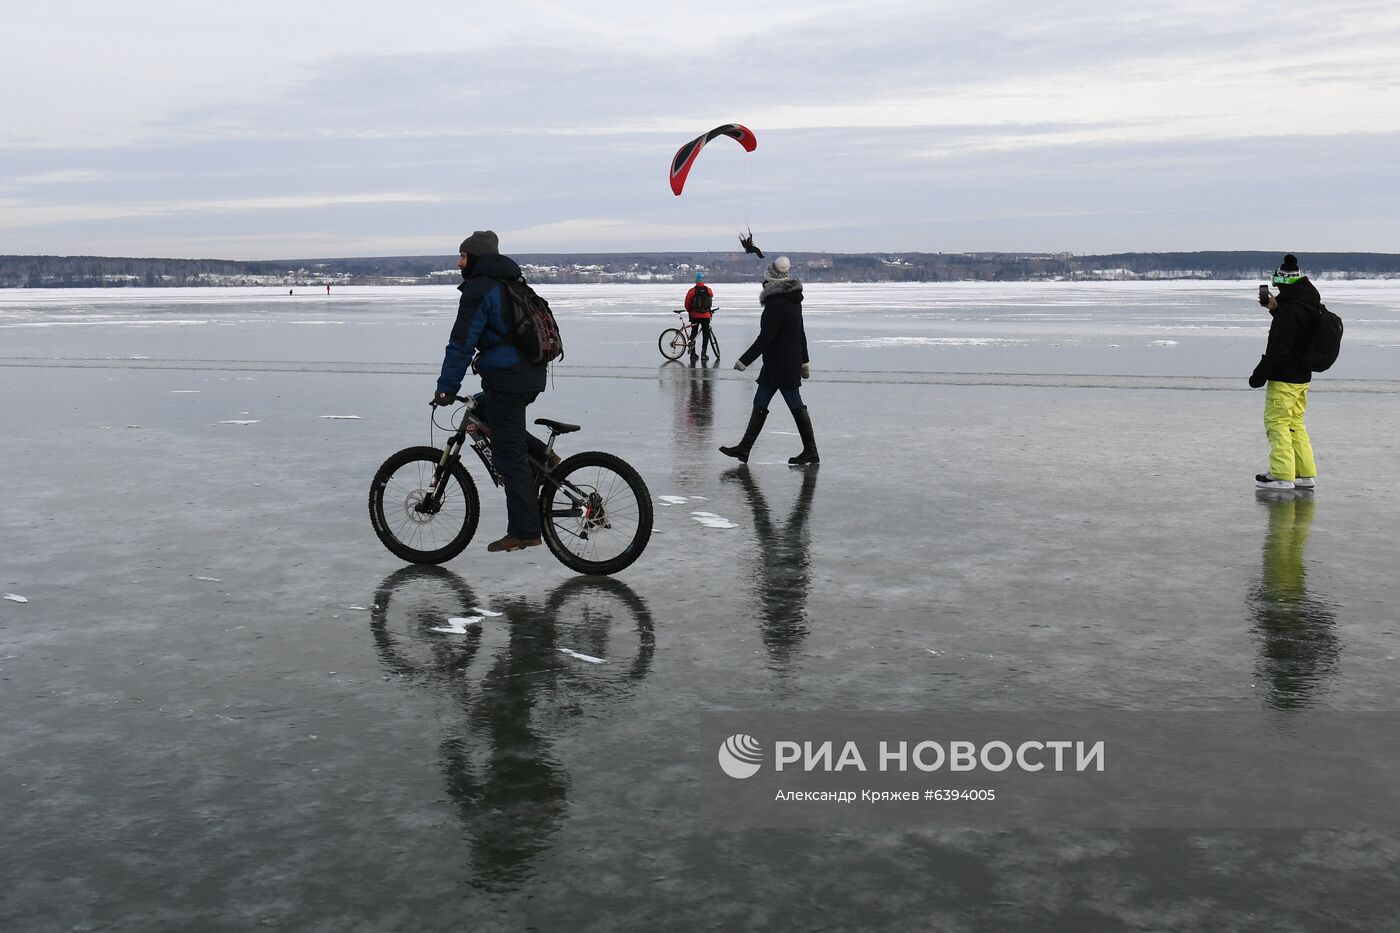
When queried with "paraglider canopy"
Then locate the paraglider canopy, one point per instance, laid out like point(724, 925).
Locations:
point(685, 155)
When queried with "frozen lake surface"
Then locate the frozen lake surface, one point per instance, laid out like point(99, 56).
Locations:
point(229, 707)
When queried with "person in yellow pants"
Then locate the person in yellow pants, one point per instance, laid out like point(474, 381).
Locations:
point(1290, 449)
point(1295, 311)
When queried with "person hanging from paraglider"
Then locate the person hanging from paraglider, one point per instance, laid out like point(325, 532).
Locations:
point(684, 160)
point(747, 243)
point(700, 305)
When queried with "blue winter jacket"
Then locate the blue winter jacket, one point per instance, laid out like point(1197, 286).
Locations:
point(481, 330)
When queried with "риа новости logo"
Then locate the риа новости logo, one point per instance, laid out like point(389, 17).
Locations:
point(741, 756)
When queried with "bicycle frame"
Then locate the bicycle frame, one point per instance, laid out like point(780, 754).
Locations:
point(481, 444)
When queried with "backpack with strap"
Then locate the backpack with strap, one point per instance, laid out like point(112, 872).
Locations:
point(533, 331)
point(702, 300)
point(1324, 343)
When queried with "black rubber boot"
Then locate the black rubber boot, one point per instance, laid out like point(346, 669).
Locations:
point(809, 441)
point(740, 451)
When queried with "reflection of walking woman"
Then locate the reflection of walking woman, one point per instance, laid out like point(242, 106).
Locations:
point(783, 344)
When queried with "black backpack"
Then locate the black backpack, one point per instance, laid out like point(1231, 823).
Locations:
point(703, 299)
point(533, 331)
point(1324, 343)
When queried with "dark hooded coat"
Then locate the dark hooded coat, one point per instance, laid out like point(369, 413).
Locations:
point(781, 339)
point(1299, 309)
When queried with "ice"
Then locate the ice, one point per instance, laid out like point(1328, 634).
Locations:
point(16, 598)
point(341, 417)
point(1026, 505)
point(254, 421)
point(209, 579)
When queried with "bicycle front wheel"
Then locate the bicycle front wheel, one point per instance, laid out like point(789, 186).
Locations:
point(595, 513)
point(411, 526)
point(672, 343)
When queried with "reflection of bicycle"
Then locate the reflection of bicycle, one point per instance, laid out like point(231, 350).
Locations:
point(595, 510)
point(675, 341)
point(600, 617)
point(501, 757)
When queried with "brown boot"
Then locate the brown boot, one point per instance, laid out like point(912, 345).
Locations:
point(509, 543)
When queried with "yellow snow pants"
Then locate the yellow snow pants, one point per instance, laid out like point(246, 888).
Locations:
point(1290, 450)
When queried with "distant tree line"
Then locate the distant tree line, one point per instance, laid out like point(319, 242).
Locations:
point(116, 272)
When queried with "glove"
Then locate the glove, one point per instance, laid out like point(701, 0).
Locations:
point(740, 365)
point(442, 398)
point(1256, 382)
point(806, 370)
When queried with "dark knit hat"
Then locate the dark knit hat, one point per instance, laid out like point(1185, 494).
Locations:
point(1287, 272)
point(481, 243)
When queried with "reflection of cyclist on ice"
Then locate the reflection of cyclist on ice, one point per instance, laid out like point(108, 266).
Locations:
point(699, 303)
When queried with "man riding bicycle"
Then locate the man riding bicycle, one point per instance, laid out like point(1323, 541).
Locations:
point(481, 337)
point(699, 303)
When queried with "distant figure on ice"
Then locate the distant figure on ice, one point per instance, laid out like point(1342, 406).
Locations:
point(1296, 311)
point(328, 288)
point(782, 342)
point(699, 302)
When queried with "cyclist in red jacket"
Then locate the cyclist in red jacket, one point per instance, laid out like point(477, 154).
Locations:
point(700, 302)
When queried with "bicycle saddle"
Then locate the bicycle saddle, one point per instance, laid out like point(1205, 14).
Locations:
point(558, 427)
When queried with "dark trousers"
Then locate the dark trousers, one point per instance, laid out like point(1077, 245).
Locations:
point(695, 328)
point(511, 447)
point(765, 394)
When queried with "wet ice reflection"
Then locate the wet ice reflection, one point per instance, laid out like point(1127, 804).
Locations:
point(1299, 650)
point(513, 680)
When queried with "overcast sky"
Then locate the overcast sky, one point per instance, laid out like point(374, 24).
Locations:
point(260, 130)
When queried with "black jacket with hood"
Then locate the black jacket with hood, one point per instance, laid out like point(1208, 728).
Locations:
point(1298, 311)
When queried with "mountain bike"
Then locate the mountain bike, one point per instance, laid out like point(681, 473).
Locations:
point(595, 509)
point(675, 341)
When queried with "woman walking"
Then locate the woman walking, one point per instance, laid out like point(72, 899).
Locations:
point(783, 345)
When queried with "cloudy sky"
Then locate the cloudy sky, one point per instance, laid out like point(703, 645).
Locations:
point(290, 129)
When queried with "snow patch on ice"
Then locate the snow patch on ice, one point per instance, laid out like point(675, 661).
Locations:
point(341, 417)
point(185, 391)
point(582, 657)
point(711, 520)
point(484, 612)
point(672, 500)
point(457, 626)
point(1164, 343)
point(256, 421)
point(209, 579)
point(16, 598)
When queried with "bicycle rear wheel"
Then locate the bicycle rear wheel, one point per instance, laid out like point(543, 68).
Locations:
point(672, 343)
point(396, 497)
point(596, 513)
